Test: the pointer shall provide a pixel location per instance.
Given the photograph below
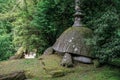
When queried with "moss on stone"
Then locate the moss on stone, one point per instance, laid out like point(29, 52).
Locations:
point(57, 73)
point(73, 40)
point(19, 54)
point(84, 31)
point(33, 69)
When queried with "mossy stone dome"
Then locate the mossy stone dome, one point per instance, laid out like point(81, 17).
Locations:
point(73, 40)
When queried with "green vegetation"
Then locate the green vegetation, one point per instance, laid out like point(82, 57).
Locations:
point(6, 46)
point(51, 18)
point(115, 62)
point(103, 17)
point(34, 69)
point(37, 24)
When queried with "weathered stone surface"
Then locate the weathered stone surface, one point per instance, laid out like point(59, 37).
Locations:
point(48, 51)
point(19, 54)
point(82, 59)
point(73, 41)
point(13, 76)
point(57, 73)
point(67, 60)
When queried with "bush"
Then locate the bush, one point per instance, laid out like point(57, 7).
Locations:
point(103, 16)
point(6, 47)
point(52, 18)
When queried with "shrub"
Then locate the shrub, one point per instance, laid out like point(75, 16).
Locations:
point(52, 18)
point(6, 46)
point(104, 16)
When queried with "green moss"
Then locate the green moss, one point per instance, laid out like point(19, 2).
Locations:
point(84, 31)
point(19, 54)
point(57, 73)
point(74, 38)
point(34, 69)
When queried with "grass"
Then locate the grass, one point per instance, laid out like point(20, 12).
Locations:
point(34, 69)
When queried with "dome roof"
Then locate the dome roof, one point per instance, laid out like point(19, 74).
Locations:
point(73, 41)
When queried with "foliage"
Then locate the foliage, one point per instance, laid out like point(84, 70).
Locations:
point(20, 17)
point(104, 16)
point(25, 34)
point(52, 18)
point(115, 62)
point(6, 46)
point(37, 24)
point(6, 5)
point(6, 36)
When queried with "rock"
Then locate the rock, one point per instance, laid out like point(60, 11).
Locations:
point(13, 76)
point(54, 71)
point(48, 51)
point(82, 59)
point(19, 54)
point(57, 73)
point(67, 60)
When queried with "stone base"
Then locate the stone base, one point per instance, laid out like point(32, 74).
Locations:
point(83, 59)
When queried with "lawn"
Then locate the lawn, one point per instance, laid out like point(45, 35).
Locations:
point(35, 70)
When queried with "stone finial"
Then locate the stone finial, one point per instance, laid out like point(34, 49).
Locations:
point(77, 15)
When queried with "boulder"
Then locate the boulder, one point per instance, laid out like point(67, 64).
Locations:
point(13, 76)
point(19, 54)
point(57, 73)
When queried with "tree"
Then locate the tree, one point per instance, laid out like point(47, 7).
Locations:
point(52, 17)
